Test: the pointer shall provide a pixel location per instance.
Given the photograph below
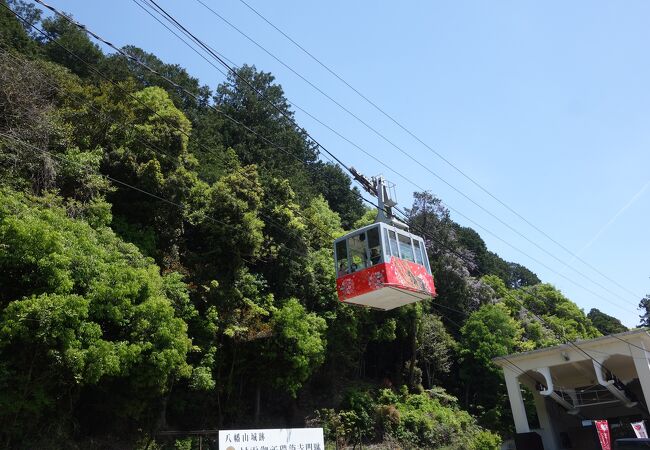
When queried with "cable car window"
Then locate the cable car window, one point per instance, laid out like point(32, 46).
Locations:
point(418, 252)
point(374, 244)
point(341, 259)
point(405, 248)
point(393, 243)
point(426, 258)
point(386, 244)
point(357, 249)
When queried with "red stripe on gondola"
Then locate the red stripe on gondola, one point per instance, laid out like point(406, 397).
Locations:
point(397, 273)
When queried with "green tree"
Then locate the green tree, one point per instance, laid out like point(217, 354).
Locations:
point(226, 229)
point(29, 13)
point(488, 333)
point(65, 40)
point(26, 114)
point(84, 315)
point(13, 32)
point(270, 116)
point(435, 348)
point(605, 323)
point(297, 347)
point(119, 68)
point(334, 185)
point(544, 303)
point(153, 156)
point(644, 306)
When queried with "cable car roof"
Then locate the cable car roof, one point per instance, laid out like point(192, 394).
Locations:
point(381, 225)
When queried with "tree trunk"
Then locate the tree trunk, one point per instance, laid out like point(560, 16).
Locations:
point(258, 395)
point(413, 351)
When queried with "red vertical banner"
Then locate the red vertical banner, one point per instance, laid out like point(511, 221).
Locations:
point(603, 434)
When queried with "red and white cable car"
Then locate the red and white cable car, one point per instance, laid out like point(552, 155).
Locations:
point(382, 265)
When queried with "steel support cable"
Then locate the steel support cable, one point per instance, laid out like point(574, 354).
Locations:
point(442, 157)
point(153, 195)
point(239, 76)
point(118, 181)
point(548, 327)
point(164, 154)
point(210, 50)
point(169, 18)
point(211, 151)
point(459, 213)
point(328, 152)
point(180, 87)
point(217, 68)
point(167, 155)
point(382, 136)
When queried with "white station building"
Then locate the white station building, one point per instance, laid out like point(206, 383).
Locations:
point(603, 378)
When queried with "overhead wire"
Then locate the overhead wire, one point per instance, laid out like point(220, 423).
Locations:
point(167, 155)
point(432, 150)
point(428, 169)
point(118, 50)
point(120, 182)
point(237, 75)
point(568, 342)
point(82, 27)
point(113, 179)
point(158, 8)
point(219, 58)
point(573, 344)
point(95, 70)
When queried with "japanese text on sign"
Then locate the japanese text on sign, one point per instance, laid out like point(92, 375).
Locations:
point(272, 439)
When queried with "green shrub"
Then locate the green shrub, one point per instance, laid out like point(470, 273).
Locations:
point(486, 440)
point(431, 420)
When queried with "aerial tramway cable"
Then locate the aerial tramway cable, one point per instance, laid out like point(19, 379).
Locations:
point(219, 58)
point(39, 1)
point(430, 148)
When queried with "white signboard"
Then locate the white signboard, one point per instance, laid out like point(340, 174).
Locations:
point(274, 439)
point(639, 429)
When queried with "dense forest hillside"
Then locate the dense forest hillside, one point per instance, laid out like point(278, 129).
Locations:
point(164, 267)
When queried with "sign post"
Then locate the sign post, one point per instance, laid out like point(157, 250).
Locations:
point(272, 439)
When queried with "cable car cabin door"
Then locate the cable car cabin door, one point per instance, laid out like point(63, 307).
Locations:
point(382, 267)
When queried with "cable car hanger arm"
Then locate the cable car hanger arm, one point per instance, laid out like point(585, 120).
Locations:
point(381, 189)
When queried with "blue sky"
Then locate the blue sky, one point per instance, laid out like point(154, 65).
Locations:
point(545, 104)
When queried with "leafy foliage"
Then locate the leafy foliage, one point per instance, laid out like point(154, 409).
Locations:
point(80, 309)
point(644, 306)
point(165, 266)
point(431, 419)
point(605, 323)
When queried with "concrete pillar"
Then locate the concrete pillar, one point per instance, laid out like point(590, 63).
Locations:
point(642, 366)
point(548, 430)
point(516, 401)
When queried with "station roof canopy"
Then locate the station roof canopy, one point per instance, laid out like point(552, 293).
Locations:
point(614, 351)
